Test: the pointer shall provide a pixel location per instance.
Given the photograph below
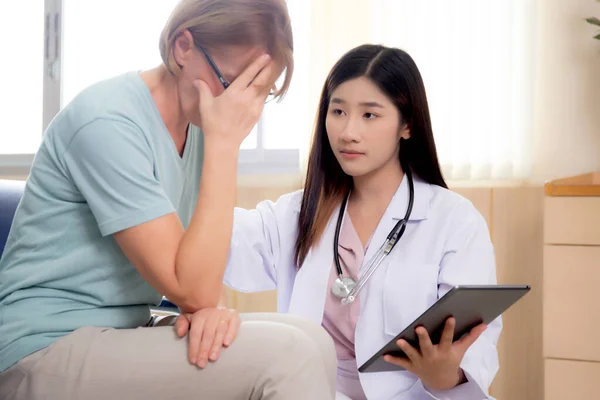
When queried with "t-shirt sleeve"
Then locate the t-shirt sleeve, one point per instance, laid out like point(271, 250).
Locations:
point(112, 165)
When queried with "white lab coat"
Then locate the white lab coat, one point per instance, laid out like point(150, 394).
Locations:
point(446, 243)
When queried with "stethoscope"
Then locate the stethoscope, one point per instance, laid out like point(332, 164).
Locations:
point(345, 287)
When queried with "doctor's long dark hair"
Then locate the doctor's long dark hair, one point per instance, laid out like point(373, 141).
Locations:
point(397, 75)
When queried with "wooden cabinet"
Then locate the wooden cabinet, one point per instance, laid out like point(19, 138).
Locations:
point(571, 380)
point(571, 316)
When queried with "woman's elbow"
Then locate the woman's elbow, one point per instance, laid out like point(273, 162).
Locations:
point(199, 299)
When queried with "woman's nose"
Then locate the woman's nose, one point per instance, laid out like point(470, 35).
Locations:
point(351, 131)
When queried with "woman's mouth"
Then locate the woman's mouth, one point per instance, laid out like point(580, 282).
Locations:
point(351, 154)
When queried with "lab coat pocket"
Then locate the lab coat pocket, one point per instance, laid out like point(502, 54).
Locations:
point(409, 289)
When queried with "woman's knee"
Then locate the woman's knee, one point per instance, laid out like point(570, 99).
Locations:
point(271, 342)
point(311, 330)
point(289, 358)
point(315, 331)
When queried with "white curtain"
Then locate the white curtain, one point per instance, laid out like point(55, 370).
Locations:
point(476, 59)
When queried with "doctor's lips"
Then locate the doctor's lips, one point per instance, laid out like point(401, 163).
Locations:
point(351, 154)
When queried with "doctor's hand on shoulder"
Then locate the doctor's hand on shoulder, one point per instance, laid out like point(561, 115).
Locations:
point(437, 366)
point(208, 330)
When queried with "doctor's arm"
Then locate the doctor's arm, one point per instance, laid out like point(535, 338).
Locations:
point(256, 244)
point(469, 259)
point(250, 267)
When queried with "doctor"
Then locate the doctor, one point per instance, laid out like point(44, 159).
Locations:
point(373, 174)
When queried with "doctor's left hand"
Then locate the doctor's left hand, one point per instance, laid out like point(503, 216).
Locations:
point(437, 366)
point(209, 330)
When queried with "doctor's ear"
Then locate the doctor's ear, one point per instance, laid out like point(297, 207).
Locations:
point(405, 132)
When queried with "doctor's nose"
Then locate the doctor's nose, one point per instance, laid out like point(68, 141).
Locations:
point(351, 131)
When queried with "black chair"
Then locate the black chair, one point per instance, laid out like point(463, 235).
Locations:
point(10, 196)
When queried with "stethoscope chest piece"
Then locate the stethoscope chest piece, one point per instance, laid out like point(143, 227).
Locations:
point(346, 288)
point(343, 286)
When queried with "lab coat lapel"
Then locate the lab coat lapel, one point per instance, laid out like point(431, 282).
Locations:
point(310, 286)
point(396, 211)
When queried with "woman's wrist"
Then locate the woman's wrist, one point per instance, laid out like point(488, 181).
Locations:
point(445, 383)
point(221, 146)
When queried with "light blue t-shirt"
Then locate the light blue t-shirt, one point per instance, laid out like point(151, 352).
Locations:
point(106, 163)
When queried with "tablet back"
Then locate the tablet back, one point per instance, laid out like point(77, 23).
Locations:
point(470, 306)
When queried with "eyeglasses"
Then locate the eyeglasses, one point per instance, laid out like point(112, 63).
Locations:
point(214, 67)
point(222, 79)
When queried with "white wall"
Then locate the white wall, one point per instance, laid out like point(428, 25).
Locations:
point(567, 90)
point(566, 120)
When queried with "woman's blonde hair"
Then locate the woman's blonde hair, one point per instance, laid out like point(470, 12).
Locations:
point(218, 23)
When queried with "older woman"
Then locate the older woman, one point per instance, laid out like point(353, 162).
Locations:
point(115, 215)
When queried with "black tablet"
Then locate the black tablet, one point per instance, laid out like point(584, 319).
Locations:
point(469, 305)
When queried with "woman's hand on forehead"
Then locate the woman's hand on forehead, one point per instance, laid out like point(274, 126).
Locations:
point(229, 118)
point(260, 76)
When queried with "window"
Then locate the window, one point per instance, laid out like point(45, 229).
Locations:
point(21, 95)
point(90, 40)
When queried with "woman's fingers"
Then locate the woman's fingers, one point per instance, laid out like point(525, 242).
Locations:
point(182, 325)
point(250, 73)
point(466, 341)
point(194, 338)
point(234, 326)
point(208, 335)
point(447, 335)
point(425, 344)
point(412, 353)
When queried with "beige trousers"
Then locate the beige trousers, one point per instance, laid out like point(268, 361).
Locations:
point(275, 356)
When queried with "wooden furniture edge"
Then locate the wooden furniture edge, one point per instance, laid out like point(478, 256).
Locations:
point(579, 185)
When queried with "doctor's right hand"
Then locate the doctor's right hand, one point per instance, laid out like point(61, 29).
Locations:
point(208, 331)
point(438, 366)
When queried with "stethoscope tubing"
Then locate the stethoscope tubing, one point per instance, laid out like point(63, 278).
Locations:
point(389, 244)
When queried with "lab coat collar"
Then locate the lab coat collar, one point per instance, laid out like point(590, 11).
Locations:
point(310, 288)
point(399, 203)
point(397, 209)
